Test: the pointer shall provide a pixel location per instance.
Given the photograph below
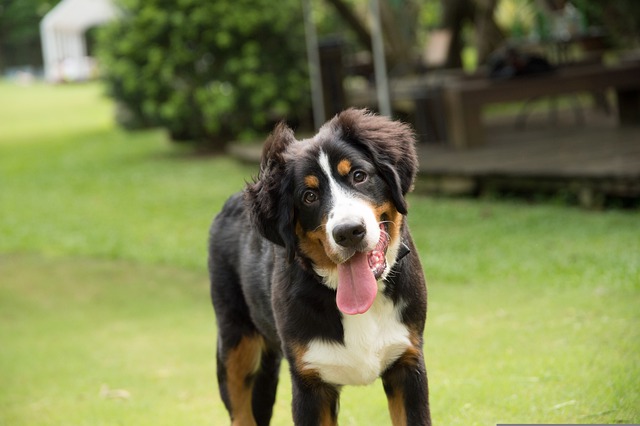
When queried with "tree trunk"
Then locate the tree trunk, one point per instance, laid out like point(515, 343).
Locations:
point(454, 15)
point(399, 25)
point(399, 28)
point(488, 35)
point(359, 28)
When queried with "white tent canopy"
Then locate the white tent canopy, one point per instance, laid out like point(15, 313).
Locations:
point(62, 32)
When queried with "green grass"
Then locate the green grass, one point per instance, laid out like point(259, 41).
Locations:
point(534, 310)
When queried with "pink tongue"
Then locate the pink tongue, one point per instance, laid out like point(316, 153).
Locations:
point(357, 286)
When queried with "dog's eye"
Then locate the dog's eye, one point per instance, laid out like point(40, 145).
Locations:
point(359, 176)
point(309, 197)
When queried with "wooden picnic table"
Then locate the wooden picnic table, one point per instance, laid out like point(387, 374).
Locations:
point(465, 98)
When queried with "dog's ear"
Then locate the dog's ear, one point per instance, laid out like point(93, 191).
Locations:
point(390, 145)
point(269, 196)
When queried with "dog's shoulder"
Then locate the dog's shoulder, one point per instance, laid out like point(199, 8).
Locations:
point(229, 227)
point(234, 207)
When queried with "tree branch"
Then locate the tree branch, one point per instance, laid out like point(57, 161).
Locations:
point(362, 32)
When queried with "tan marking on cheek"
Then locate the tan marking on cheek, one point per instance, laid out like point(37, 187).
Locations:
point(242, 362)
point(312, 182)
point(312, 244)
point(393, 218)
point(344, 167)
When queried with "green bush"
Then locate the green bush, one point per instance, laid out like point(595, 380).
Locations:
point(207, 70)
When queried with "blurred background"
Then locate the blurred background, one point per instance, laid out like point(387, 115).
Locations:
point(462, 72)
point(125, 125)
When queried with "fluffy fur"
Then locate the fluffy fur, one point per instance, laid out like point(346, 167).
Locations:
point(314, 262)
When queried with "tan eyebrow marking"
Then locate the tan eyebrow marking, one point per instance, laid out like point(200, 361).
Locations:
point(344, 167)
point(312, 182)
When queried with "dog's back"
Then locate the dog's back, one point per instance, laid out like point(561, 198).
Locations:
point(240, 268)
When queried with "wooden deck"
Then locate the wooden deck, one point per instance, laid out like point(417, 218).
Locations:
point(593, 160)
point(465, 98)
point(590, 161)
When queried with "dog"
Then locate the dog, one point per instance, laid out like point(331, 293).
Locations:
point(314, 261)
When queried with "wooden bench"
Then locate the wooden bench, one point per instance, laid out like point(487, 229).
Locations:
point(464, 98)
point(422, 92)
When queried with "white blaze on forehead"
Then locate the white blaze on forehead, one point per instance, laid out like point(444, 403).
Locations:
point(336, 190)
point(346, 205)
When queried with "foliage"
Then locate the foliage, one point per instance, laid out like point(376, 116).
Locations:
point(19, 31)
point(621, 18)
point(207, 70)
point(516, 16)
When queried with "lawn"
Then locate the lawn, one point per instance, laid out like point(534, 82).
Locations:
point(534, 310)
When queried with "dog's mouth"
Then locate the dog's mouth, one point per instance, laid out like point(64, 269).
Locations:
point(357, 277)
point(377, 257)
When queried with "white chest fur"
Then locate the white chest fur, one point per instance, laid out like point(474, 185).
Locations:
point(372, 342)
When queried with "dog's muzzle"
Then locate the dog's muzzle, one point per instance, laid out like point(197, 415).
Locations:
point(357, 276)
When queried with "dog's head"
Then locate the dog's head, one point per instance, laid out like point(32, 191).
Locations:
point(337, 200)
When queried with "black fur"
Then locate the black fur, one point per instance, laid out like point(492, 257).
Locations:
point(266, 291)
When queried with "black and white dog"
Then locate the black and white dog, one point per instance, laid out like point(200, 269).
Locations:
point(314, 260)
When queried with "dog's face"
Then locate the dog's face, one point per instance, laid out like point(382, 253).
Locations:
point(337, 200)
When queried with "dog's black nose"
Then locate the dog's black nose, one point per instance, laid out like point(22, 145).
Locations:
point(349, 234)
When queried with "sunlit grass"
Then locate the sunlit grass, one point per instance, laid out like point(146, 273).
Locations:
point(534, 310)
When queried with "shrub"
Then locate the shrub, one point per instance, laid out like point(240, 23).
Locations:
point(207, 70)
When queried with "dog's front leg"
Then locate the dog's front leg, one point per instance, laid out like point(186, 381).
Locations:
point(314, 401)
point(405, 384)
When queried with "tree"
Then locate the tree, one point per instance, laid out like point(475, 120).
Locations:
point(479, 13)
point(399, 23)
point(620, 18)
point(19, 31)
point(207, 70)
point(454, 14)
